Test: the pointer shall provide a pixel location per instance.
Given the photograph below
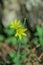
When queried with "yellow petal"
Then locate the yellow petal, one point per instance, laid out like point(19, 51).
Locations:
point(24, 30)
point(16, 34)
point(24, 34)
point(11, 26)
point(20, 37)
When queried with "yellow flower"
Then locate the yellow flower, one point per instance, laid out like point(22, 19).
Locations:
point(15, 24)
point(20, 32)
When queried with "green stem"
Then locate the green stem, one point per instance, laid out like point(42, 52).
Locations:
point(18, 53)
point(24, 21)
point(19, 44)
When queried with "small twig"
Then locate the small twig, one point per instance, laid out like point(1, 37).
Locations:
point(40, 56)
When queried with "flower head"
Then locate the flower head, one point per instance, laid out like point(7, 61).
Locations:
point(15, 24)
point(20, 32)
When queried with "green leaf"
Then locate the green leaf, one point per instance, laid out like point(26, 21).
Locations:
point(16, 59)
point(39, 30)
point(24, 53)
point(1, 38)
point(36, 41)
point(24, 40)
point(12, 40)
point(39, 33)
point(9, 31)
point(12, 54)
